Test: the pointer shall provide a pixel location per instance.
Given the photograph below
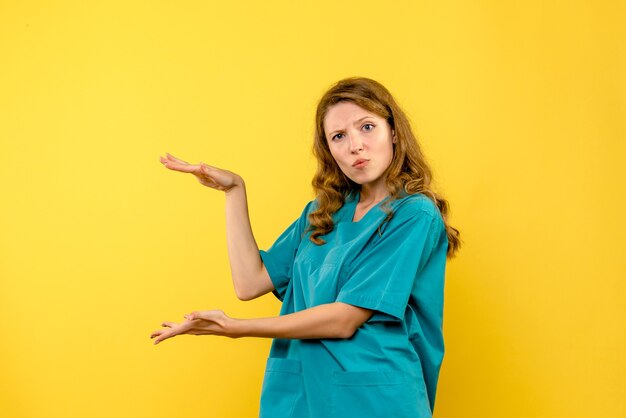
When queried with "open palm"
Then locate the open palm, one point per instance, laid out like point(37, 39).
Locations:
point(207, 175)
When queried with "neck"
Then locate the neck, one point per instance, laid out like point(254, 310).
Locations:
point(371, 194)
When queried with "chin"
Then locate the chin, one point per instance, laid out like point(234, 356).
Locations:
point(361, 181)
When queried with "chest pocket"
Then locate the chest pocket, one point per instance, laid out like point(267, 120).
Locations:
point(320, 270)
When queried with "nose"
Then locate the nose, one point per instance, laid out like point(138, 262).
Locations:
point(356, 144)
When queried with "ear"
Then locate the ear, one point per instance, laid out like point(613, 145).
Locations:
point(393, 137)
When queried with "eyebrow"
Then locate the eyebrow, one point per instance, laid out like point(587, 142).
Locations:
point(355, 123)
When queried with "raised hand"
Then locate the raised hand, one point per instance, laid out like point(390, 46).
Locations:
point(207, 175)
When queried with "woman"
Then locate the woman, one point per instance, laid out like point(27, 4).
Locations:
point(360, 273)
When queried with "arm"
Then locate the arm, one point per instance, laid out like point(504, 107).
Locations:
point(332, 320)
point(250, 278)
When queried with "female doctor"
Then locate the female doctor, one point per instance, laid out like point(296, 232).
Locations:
point(360, 273)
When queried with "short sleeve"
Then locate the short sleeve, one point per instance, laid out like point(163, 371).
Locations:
point(382, 278)
point(279, 258)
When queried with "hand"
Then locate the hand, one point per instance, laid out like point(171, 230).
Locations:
point(214, 322)
point(207, 175)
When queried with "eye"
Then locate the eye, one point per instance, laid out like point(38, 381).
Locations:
point(369, 124)
point(333, 138)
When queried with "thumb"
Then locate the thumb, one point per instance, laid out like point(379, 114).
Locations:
point(205, 315)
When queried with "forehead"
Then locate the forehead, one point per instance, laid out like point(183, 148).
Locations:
point(344, 114)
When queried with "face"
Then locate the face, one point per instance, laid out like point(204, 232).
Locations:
point(360, 141)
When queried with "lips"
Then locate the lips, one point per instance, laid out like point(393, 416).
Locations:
point(360, 163)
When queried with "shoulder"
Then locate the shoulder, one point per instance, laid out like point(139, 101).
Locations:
point(418, 212)
point(310, 207)
point(416, 206)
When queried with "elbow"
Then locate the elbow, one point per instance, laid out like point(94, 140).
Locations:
point(251, 286)
point(346, 331)
point(348, 319)
point(244, 295)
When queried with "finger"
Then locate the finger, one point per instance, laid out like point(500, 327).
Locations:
point(211, 175)
point(160, 338)
point(216, 173)
point(163, 335)
point(206, 315)
point(191, 316)
point(165, 160)
point(157, 333)
point(184, 168)
point(207, 167)
point(206, 172)
point(168, 324)
point(204, 179)
point(210, 169)
point(194, 315)
point(177, 160)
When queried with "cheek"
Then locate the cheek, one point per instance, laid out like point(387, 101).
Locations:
point(336, 154)
point(388, 152)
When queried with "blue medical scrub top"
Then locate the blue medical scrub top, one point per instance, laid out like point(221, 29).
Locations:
point(390, 366)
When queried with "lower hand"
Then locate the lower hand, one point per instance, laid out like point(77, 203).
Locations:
point(214, 322)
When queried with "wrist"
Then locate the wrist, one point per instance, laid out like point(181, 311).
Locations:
point(235, 327)
point(238, 184)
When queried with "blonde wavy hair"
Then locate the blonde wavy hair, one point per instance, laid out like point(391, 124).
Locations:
point(408, 170)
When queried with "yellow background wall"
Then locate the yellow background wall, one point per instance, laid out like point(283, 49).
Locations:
point(520, 107)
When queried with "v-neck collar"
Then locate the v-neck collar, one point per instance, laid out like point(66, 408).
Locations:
point(350, 207)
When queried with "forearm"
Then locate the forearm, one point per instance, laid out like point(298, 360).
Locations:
point(333, 320)
point(243, 252)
